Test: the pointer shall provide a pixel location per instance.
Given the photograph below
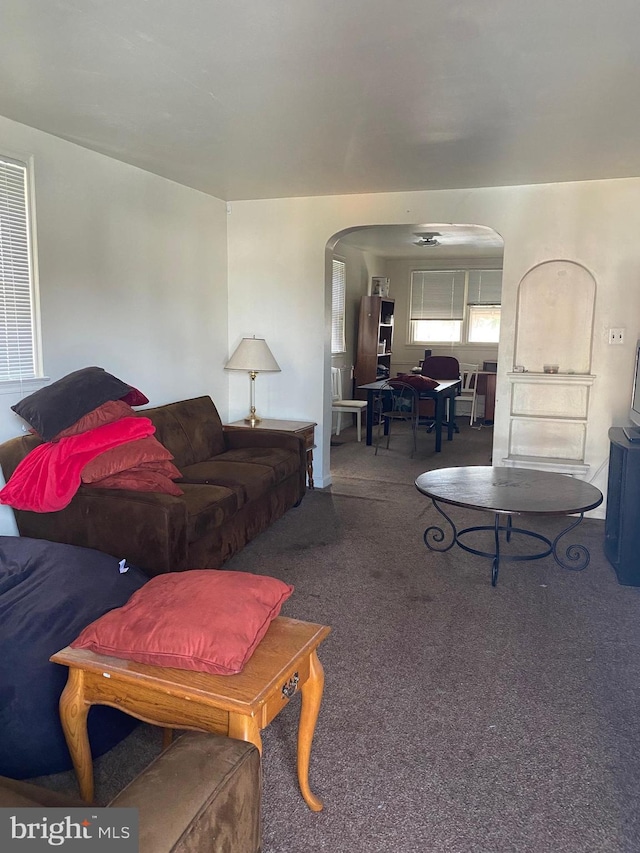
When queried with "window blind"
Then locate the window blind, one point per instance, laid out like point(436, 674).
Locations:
point(437, 294)
point(17, 356)
point(338, 291)
point(485, 287)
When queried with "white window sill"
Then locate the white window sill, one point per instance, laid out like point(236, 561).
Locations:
point(23, 387)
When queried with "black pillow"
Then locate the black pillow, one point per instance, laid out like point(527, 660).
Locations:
point(57, 406)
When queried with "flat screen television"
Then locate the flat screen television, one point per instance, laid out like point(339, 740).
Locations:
point(633, 432)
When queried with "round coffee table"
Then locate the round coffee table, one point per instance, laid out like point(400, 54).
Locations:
point(507, 492)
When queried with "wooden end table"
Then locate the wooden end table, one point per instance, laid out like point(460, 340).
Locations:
point(237, 706)
point(305, 429)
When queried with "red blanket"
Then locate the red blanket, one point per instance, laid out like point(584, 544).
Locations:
point(47, 478)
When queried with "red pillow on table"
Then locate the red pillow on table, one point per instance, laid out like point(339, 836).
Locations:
point(416, 381)
point(208, 620)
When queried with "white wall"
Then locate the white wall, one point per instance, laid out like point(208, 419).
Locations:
point(359, 267)
point(277, 284)
point(132, 272)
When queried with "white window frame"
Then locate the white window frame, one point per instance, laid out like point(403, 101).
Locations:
point(459, 312)
point(474, 311)
point(19, 296)
point(338, 305)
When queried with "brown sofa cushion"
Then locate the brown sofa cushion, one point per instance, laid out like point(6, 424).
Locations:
point(247, 480)
point(207, 507)
point(283, 462)
point(190, 429)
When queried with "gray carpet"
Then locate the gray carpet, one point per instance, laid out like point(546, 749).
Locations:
point(457, 717)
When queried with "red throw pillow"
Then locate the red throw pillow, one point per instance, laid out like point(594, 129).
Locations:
point(127, 455)
point(420, 383)
point(207, 620)
point(107, 413)
point(143, 478)
point(135, 398)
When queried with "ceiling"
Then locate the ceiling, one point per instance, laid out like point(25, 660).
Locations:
point(451, 241)
point(247, 99)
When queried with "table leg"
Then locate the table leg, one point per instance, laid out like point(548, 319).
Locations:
point(311, 692)
point(439, 413)
point(74, 710)
point(310, 468)
point(369, 437)
point(244, 727)
point(451, 426)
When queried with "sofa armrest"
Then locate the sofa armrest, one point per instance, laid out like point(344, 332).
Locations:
point(202, 793)
point(238, 438)
point(148, 529)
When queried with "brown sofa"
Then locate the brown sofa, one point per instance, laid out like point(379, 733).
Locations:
point(236, 482)
point(201, 794)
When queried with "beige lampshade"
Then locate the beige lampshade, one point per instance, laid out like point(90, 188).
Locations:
point(253, 355)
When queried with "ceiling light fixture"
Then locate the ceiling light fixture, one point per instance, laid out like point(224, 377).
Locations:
point(427, 238)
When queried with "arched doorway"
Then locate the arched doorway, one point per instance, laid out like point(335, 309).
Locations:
point(394, 252)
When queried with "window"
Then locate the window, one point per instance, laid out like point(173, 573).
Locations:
point(484, 293)
point(455, 306)
point(437, 305)
point(18, 352)
point(338, 292)
point(484, 324)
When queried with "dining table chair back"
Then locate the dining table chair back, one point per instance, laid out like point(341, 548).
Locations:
point(441, 367)
point(469, 387)
point(340, 406)
point(400, 403)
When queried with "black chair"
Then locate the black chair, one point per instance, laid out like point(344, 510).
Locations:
point(441, 367)
point(399, 403)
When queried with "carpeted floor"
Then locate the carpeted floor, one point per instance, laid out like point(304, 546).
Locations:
point(457, 717)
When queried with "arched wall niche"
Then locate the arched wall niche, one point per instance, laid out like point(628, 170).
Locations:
point(554, 326)
point(554, 322)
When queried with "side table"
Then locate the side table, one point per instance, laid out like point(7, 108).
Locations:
point(237, 706)
point(306, 429)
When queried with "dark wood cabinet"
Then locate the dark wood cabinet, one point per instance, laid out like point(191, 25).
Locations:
point(375, 340)
point(622, 531)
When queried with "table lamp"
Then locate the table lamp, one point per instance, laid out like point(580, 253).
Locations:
point(254, 356)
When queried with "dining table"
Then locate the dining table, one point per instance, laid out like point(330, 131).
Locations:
point(446, 391)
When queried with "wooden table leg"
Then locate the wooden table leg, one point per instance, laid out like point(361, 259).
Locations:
point(311, 692)
point(310, 468)
point(244, 727)
point(73, 716)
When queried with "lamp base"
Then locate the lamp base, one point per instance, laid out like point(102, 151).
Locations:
point(252, 417)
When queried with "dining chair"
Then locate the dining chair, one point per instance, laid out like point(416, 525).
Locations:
point(439, 367)
point(340, 406)
point(469, 386)
point(401, 404)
